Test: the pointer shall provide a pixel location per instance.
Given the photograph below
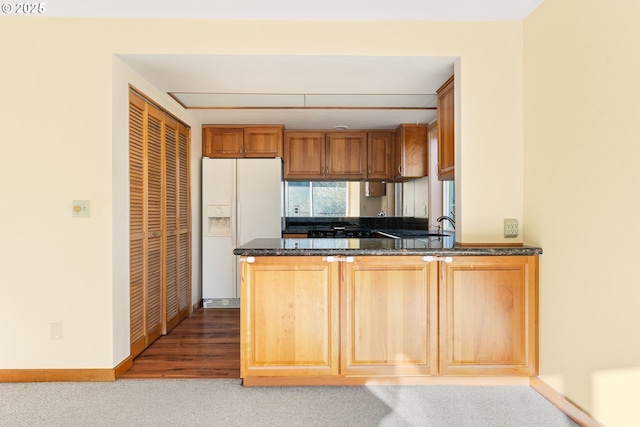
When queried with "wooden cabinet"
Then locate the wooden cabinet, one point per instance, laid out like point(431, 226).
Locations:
point(320, 155)
point(380, 152)
point(294, 235)
point(446, 150)
point(238, 142)
point(488, 316)
point(341, 320)
point(346, 155)
point(290, 317)
point(304, 155)
point(411, 152)
point(390, 317)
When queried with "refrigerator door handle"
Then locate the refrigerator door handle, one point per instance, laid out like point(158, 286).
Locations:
point(238, 234)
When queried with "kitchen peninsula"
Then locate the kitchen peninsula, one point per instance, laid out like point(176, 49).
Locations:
point(352, 311)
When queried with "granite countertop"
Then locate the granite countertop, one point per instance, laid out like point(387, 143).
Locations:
point(424, 246)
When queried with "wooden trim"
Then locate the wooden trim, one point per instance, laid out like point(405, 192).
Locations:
point(197, 305)
point(382, 380)
point(56, 375)
point(569, 408)
point(215, 107)
point(63, 375)
point(123, 367)
point(489, 245)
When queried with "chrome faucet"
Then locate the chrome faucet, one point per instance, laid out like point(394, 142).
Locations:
point(453, 223)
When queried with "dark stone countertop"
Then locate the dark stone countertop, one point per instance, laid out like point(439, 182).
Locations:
point(424, 246)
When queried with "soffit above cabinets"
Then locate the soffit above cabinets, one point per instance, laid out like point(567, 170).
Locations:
point(300, 91)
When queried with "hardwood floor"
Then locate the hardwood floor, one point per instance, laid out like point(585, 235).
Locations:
point(204, 345)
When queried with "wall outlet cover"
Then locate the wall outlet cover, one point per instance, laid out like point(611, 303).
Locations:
point(511, 228)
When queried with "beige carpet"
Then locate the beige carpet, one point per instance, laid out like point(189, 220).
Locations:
point(227, 403)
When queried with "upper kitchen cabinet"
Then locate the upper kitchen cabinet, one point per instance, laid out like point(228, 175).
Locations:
point(380, 155)
point(411, 153)
point(320, 155)
point(304, 155)
point(346, 155)
point(446, 158)
point(238, 142)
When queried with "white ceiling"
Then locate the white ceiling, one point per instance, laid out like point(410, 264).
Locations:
point(336, 77)
point(333, 10)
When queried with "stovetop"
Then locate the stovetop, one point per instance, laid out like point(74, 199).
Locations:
point(338, 230)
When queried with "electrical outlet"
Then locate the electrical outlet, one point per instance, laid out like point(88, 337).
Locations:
point(511, 227)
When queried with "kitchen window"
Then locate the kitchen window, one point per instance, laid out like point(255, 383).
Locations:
point(316, 198)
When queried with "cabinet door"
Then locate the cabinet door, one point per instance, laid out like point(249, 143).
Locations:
point(183, 204)
point(488, 316)
point(412, 153)
point(346, 155)
point(304, 155)
point(446, 158)
point(263, 142)
point(389, 314)
point(379, 155)
point(222, 142)
point(170, 242)
point(290, 310)
point(137, 220)
point(154, 259)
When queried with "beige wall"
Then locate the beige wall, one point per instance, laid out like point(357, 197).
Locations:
point(63, 140)
point(581, 200)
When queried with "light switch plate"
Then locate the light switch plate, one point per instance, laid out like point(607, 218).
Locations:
point(55, 329)
point(80, 209)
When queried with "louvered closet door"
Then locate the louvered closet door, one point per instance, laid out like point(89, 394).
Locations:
point(160, 227)
point(153, 290)
point(137, 223)
point(171, 225)
point(184, 222)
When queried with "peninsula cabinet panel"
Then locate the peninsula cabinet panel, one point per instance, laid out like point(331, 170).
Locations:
point(290, 312)
point(446, 151)
point(346, 155)
point(304, 155)
point(488, 316)
point(390, 317)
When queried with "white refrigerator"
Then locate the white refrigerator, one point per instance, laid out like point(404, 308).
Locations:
point(241, 200)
